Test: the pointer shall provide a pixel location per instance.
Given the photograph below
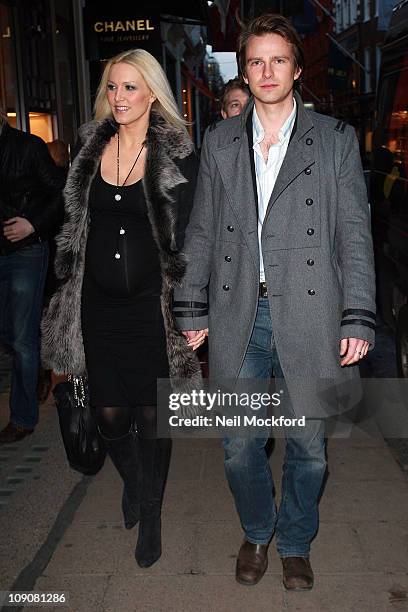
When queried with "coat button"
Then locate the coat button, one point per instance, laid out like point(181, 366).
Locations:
point(308, 171)
point(309, 141)
point(311, 292)
point(230, 228)
point(310, 231)
point(310, 262)
point(236, 138)
point(225, 287)
point(227, 258)
point(309, 201)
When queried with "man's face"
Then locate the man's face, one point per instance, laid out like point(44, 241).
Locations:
point(270, 68)
point(235, 102)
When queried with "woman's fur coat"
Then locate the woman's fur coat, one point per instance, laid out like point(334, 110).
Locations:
point(169, 180)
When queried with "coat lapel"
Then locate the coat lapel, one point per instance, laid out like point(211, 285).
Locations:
point(299, 155)
point(234, 166)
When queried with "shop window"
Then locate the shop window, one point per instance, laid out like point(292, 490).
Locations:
point(41, 125)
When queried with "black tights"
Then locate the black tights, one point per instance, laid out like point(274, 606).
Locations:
point(117, 421)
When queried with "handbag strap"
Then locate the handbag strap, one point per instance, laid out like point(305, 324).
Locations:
point(79, 389)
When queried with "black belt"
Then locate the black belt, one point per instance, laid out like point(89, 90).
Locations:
point(263, 290)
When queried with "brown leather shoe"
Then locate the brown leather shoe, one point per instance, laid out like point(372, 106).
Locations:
point(251, 563)
point(13, 433)
point(297, 573)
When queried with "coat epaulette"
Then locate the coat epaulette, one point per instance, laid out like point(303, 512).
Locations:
point(340, 126)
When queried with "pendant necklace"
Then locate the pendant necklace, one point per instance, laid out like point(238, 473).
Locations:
point(118, 196)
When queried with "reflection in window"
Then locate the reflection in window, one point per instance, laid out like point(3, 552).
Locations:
point(393, 122)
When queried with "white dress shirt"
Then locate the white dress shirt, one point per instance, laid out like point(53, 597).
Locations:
point(266, 173)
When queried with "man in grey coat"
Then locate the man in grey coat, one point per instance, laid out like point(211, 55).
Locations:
point(280, 275)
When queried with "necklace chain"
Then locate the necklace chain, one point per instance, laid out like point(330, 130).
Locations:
point(118, 197)
point(118, 165)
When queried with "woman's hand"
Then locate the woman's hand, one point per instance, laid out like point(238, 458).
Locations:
point(195, 338)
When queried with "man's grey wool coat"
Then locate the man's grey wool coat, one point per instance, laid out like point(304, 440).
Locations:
point(316, 246)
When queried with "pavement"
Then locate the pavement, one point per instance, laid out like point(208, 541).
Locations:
point(60, 531)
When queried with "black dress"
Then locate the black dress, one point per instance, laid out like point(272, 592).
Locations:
point(122, 322)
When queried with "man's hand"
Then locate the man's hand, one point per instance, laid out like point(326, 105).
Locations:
point(195, 338)
point(17, 228)
point(352, 350)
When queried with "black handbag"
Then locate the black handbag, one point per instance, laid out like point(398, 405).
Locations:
point(84, 446)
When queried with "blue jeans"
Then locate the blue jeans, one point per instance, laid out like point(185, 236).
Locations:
point(22, 278)
point(247, 466)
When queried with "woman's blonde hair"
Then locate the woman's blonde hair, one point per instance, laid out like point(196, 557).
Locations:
point(3, 116)
point(154, 75)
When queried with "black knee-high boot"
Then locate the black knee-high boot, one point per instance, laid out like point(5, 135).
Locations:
point(121, 438)
point(155, 454)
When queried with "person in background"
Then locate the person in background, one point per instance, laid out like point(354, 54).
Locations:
point(30, 206)
point(234, 98)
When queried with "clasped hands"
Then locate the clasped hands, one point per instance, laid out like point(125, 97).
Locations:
point(195, 338)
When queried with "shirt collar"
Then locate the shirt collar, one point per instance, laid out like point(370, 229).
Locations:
point(284, 131)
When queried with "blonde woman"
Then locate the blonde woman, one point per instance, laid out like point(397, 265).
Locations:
point(128, 198)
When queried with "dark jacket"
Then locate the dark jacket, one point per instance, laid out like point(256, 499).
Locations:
point(168, 183)
point(30, 186)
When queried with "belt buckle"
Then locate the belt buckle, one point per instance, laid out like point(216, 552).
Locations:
point(263, 290)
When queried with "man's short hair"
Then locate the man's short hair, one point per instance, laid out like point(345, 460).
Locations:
point(236, 83)
point(270, 23)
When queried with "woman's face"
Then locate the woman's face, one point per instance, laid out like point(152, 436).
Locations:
point(128, 95)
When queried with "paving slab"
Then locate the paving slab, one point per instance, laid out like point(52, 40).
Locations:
point(384, 544)
point(364, 500)
point(362, 593)
point(337, 549)
point(186, 465)
point(103, 502)
point(86, 592)
point(193, 594)
point(109, 549)
point(368, 464)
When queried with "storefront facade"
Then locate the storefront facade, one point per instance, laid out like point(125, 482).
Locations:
point(38, 67)
point(52, 53)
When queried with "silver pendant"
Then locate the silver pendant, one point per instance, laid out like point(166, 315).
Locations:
point(118, 197)
point(121, 231)
point(117, 255)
